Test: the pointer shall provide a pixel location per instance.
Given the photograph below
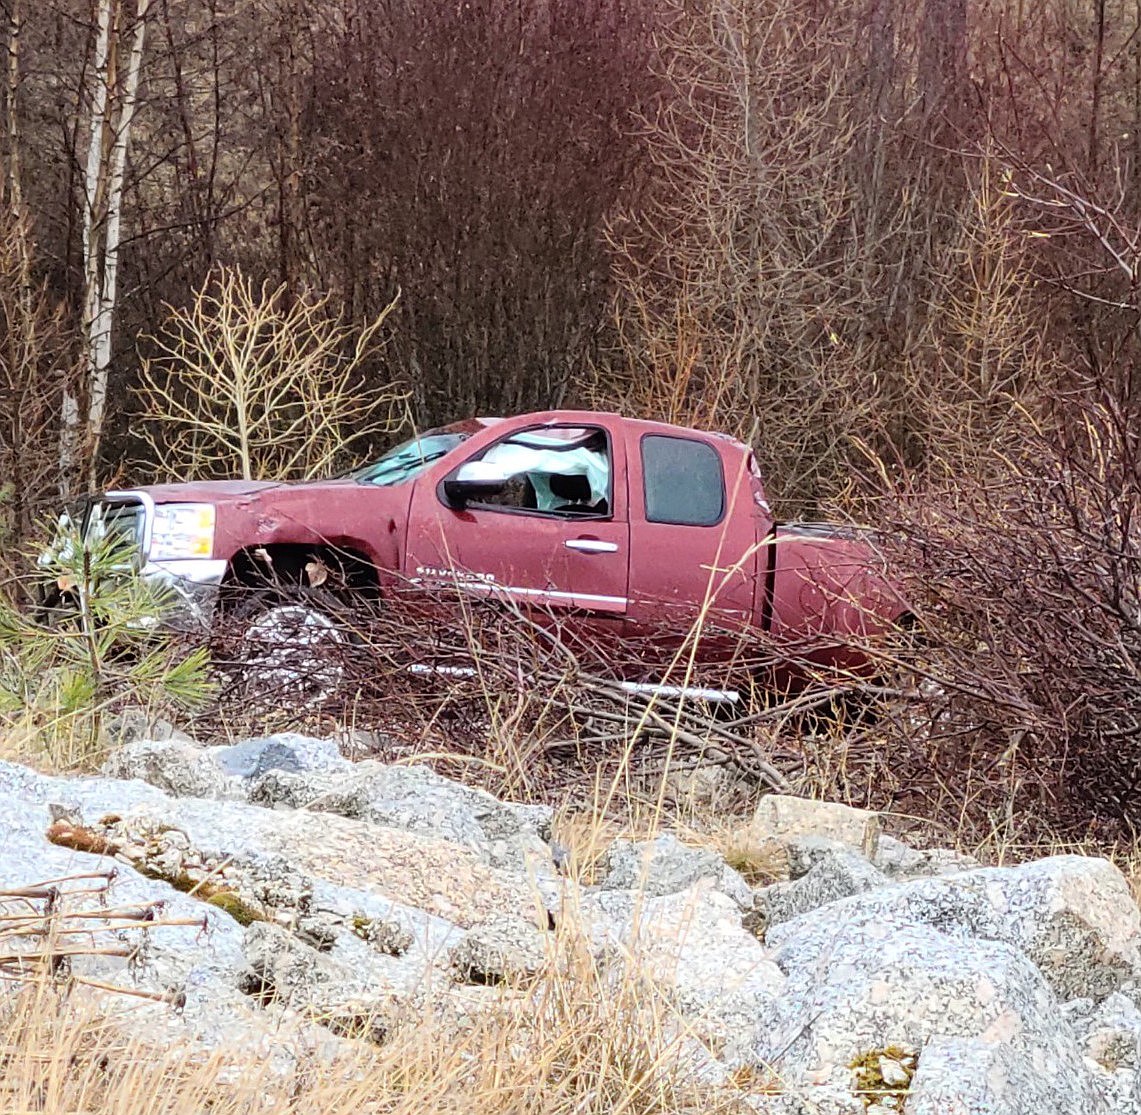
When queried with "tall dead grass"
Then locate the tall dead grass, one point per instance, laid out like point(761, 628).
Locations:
point(581, 1040)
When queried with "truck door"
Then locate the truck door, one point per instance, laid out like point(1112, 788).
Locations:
point(693, 537)
point(549, 529)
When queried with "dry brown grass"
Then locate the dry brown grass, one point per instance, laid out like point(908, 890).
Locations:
point(576, 1042)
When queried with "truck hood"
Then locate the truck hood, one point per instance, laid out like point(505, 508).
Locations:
point(225, 491)
point(365, 518)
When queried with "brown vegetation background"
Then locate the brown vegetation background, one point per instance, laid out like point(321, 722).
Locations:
point(832, 226)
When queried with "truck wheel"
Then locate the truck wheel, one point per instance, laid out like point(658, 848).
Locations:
point(288, 647)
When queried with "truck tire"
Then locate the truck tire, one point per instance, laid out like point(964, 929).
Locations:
point(287, 645)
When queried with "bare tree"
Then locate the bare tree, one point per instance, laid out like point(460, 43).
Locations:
point(1028, 719)
point(469, 154)
point(36, 350)
point(812, 274)
point(34, 340)
point(943, 87)
point(792, 188)
point(735, 307)
point(247, 382)
point(13, 79)
point(293, 66)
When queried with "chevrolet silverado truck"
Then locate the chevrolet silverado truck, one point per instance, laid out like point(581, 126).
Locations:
point(623, 525)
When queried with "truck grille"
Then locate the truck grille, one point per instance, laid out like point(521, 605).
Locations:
point(120, 522)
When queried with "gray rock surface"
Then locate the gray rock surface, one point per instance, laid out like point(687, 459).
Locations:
point(184, 769)
point(133, 723)
point(693, 949)
point(178, 767)
point(372, 893)
point(340, 992)
point(1113, 1035)
point(503, 950)
point(1109, 1034)
point(899, 861)
point(292, 771)
point(314, 876)
point(782, 818)
point(284, 789)
point(665, 865)
point(385, 935)
point(1073, 916)
point(816, 1099)
point(860, 987)
point(202, 964)
point(285, 751)
point(974, 1076)
point(262, 852)
point(839, 873)
point(417, 800)
point(804, 852)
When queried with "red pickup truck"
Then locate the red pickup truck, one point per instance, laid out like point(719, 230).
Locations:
point(632, 525)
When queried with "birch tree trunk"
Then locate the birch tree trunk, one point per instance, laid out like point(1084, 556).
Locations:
point(113, 99)
point(99, 335)
point(70, 428)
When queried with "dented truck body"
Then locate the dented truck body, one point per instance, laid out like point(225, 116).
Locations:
point(627, 526)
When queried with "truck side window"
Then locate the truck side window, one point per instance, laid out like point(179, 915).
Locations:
point(554, 470)
point(683, 481)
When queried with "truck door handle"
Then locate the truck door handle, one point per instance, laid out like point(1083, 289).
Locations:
point(591, 546)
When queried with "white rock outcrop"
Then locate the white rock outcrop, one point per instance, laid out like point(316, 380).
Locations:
point(327, 900)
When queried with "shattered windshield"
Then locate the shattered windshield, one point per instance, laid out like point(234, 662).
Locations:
point(410, 459)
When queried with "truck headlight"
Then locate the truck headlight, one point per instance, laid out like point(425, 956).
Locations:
point(182, 530)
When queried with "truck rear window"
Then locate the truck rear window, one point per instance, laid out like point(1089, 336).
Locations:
point(682, 481)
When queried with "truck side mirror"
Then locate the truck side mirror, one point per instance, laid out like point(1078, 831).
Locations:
point(472, 480)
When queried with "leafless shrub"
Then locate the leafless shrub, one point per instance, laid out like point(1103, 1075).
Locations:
point(526, 700)
point(469, 153)
point(48, 929)
point(251, 383)
point(825, 263)
point(1026, 583)
point(35, 352)
point(1022, 558)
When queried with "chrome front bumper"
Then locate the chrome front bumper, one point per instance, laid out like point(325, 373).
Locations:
point(193, 585)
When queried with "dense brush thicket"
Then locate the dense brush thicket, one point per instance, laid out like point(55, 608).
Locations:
point(830, 226)
point(1028, 585)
